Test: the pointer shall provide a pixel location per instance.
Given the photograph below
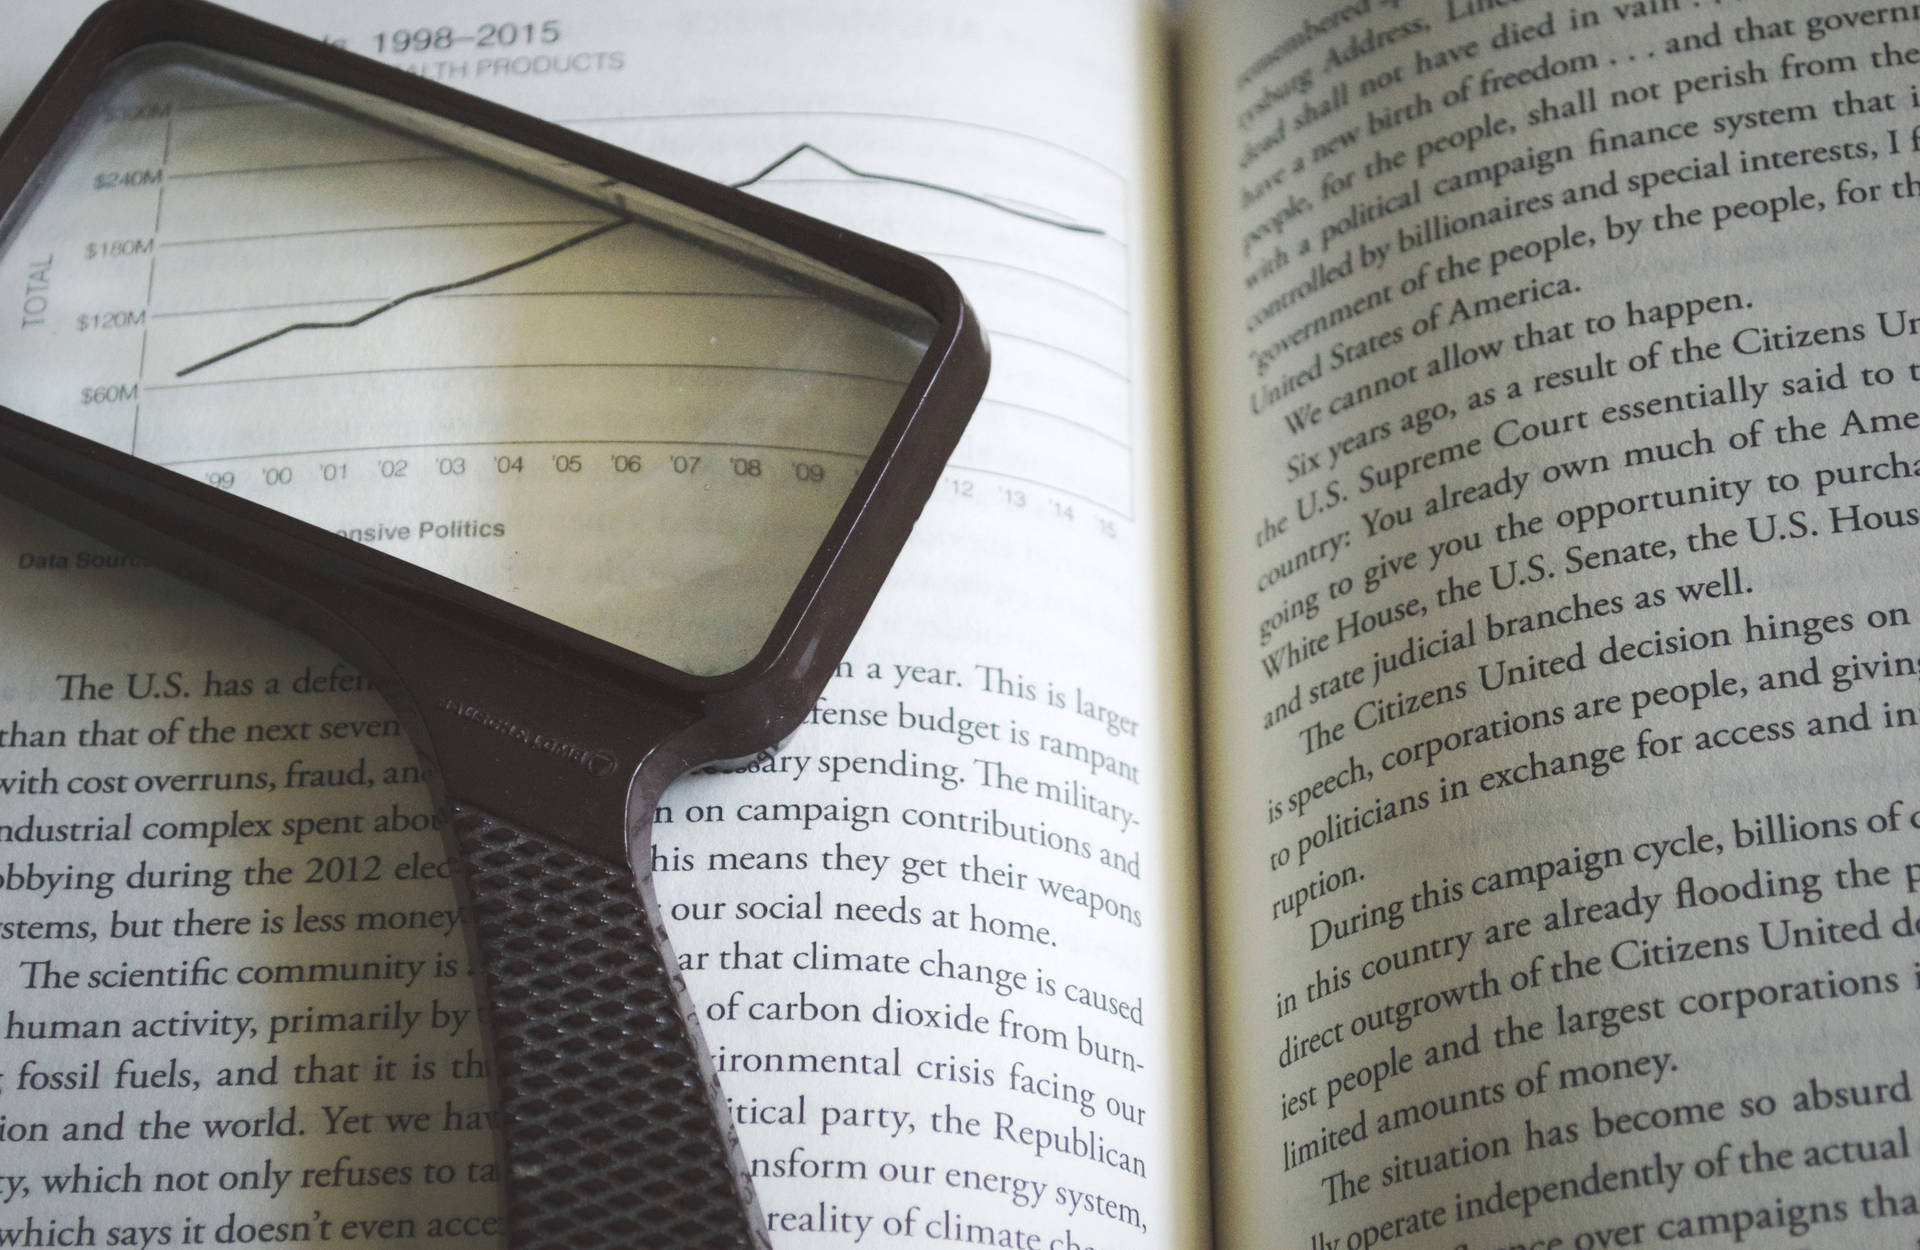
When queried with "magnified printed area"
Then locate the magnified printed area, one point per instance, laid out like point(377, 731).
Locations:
point(506, 369)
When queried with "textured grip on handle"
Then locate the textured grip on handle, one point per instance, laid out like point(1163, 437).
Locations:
point(614, 1128)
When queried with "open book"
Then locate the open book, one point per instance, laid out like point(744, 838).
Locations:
point(1447, 488)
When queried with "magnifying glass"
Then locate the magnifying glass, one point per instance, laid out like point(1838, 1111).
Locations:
point(593, 466)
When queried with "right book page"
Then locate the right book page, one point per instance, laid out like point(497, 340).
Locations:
point(1556, 371)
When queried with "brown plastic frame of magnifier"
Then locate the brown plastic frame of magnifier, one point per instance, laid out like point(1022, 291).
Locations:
point(548, 747)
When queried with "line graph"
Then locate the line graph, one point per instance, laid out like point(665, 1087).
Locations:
point(800, 149)
point(789, 156)
point(421, 293)
point(307, 293)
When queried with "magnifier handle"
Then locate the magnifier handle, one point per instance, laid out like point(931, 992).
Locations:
point(614, 1129)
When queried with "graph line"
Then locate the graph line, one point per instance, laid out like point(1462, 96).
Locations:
point(823, 154)
point(394, 303)
point(597, 231)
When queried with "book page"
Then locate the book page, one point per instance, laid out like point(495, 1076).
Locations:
point(940, 940)
point(1556, 450)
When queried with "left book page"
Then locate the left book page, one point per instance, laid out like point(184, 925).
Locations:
point(940, 940)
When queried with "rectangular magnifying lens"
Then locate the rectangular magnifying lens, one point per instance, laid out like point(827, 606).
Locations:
point(593, 466)
point(343, 273)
